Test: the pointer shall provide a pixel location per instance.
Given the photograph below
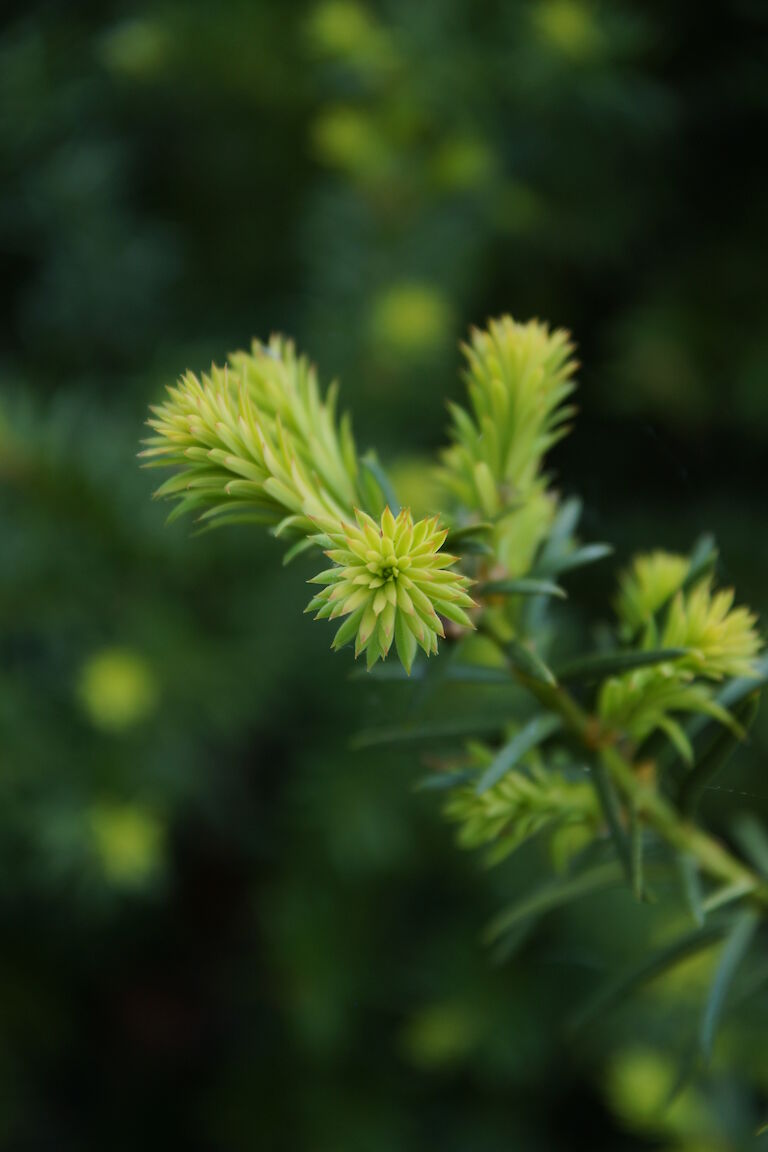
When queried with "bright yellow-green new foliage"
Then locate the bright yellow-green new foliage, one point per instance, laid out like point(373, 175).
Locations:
point(392, 583)
point(525, 802)
point(255, 441)
point(658, 595)
point(714, 640)
point(651, 581)
point(614, 750)
point(518, 377)
point(723, 640)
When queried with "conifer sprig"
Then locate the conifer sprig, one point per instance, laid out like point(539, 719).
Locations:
point(392, 582)
point(525, 802)
point(716, 641)
point(723, 640)
point(650, 582)
point(518, 378)
point(256, 441)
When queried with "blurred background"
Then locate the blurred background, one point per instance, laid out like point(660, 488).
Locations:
point(223, 927)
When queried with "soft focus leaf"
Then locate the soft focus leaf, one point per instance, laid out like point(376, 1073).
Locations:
point(689, 872)
point(442, 781)
point(600, 665)
point(459, 537)
point(561, 532)
point(535, 732)
point(578, 558)
point(385, 496)
point(753, 839)
point(435, 730)
point(717, 755)
point(703, 560)
point(736, 690)
point(522, 587)
point(735, 949)
point(729, 894)
point(611, 806)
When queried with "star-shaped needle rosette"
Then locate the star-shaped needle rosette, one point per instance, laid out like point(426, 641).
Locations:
point(392, 583)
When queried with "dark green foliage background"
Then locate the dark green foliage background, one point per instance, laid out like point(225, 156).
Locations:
point(295, 960)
